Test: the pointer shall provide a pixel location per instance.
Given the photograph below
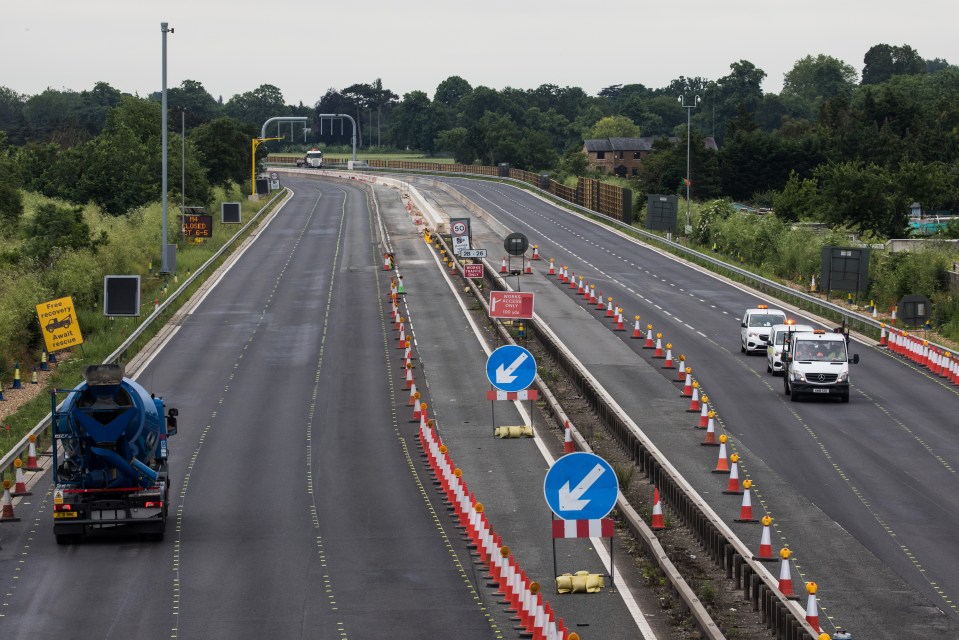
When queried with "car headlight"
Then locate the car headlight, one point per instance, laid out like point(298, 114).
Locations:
point(798, 376)
point(752, 334)
point(843, 377)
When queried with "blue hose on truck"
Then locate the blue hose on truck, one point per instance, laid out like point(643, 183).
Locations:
point(110, 465)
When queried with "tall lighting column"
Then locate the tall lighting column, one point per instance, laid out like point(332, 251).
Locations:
point(164, 267)
point(689, 108)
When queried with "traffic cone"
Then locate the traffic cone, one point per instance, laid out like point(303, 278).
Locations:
point(400, 289)
point(17, 384)
point(33, 378)
point(529, 266)
point(572, 280)
point(32, 454)
point(413, 396)
point(579, 288)
point(409, 375)
point(722, 463)
point(568, 441)
point(785, 578)
point(637, 331)
point(387, 263)
point(709, 440)
point(401, 344)
point(682, 370)
point(812, 608)
point(669, 356)
point(417, 408)
point(19, 487)
point(592, 294)
point(883, 340)
point(552, 268)
point(609, 310)
point(732, 487)
point(704, 414)
point(502, 268)
point(599, 301)
point(585, 292)
point(658, 354)
point(694, 401)
point(765, 546)
point(649, 337)
point(746, 510)
point(619, 320)
point(657, 522)
point(563, 276)
point(43, 360)
point(688, 387)
point(6, 510)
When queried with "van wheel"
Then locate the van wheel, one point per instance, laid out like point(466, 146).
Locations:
point(768, 368)
point(742, 348)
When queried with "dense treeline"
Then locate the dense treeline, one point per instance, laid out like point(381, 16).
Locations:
point(829, 147)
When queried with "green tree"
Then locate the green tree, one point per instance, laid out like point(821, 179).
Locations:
point(495, 138)
point(883, 61)
point(257, 106)
point(53, 116)
point(200, 107)
point(798, 200)
point(536, 151)
point(414, 123)
point(54, 230)
point(862, 196)
point(612, 127)
point(815, 80)
point(456, 141)
point(451, 91)
point(12, 119)
point(224, 145)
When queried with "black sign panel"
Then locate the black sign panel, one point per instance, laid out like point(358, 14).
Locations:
point(516, 244)
point(198, 226)
point(914, 310)
point(230, 213)
point(121, 295)
point(661, 212)
point(845, 269)
point(262, 186)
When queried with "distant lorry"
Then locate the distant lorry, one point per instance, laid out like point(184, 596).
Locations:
point(816, 363)
point(312, 160)
point(110, 457)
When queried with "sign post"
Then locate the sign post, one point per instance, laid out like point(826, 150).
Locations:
point(581, 489)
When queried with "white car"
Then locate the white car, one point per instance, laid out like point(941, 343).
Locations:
point(756, 325)
point(774, 352)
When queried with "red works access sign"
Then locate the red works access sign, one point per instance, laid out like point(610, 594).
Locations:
point(510, 304)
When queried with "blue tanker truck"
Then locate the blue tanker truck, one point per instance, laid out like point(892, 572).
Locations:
point(110, 457)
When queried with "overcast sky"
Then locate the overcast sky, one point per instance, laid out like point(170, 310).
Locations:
point(306, 47)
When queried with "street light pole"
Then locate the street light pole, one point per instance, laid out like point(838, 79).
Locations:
point(689, 108)
point(164, 268)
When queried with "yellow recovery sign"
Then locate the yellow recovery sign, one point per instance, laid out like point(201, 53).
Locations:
point(58, 321)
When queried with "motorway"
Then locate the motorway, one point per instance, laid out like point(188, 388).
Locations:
point(299, 511)
point(301, 506)
point(882, 469)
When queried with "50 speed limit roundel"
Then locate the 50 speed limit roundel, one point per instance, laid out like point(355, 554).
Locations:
point(458, 228)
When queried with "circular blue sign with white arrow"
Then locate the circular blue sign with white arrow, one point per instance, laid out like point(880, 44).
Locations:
point(511, 368)
point(581, 486)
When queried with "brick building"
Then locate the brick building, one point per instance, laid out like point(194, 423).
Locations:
point(624, 156)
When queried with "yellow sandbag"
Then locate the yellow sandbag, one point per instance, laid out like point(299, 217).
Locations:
point(564, 583)
point(594, 583)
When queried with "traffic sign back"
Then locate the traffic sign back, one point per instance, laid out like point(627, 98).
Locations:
point(581, 486)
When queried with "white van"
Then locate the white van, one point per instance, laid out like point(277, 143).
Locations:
point(777, 334)
point(817, 363)
point(754, 334)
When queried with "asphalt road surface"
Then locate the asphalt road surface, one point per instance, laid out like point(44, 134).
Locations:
point(298, 509)
point(881, 468)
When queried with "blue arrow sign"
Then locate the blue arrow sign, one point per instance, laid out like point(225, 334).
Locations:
point(511, 368)
point(581, 486)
